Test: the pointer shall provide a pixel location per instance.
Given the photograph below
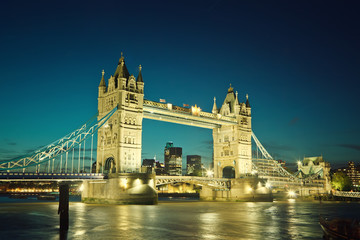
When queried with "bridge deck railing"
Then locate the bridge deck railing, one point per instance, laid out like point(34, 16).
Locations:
point(46, 176)
point(188, 111)
point(346, 194)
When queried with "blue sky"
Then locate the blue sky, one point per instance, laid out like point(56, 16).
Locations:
point(298, 61)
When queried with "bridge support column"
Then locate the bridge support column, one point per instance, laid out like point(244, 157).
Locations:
point(232, 143)
point(232, 149)
point(124, 188)
point(251, 189)
point(120, 137)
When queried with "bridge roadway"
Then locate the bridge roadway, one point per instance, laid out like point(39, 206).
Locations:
point(216, 183)
point(188, 116)
point(18, 176)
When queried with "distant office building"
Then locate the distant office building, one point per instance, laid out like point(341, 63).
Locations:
point(153, 166)
point(148, 165)
point(159, 168)
point(173, 159)
point(353, 173)
point(193, 165)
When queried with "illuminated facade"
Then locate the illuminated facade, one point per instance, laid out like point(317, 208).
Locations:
point(119, 141)
point(353, 173)
point(173, 159)
point(232, 143)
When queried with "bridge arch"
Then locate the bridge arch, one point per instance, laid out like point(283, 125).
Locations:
point(110, 165)
point(228, 172)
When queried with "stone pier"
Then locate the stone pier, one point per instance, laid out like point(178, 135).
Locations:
point(121, 188)
point(249, 189)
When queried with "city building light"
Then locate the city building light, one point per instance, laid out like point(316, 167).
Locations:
point(291, 194)
point(195, 110)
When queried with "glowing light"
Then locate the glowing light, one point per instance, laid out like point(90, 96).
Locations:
point(268, 185)
point(209, 173)
point(195, 110)
point(137, 182)
point(123, 183)
point(291, 194)
point(151, 183)
point(81, 188)
point(250, 189)
point(299, 162)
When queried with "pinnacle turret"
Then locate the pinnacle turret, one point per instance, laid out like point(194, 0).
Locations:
point(102, 82)
point(140, 78)
point(236, 99)
point(247, 101)
point(214, 110)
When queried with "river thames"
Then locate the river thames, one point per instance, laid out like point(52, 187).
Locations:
point(172, 220)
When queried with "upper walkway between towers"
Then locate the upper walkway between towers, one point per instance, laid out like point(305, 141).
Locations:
point(189, 116)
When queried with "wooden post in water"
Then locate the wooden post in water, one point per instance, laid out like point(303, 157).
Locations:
point(64, 206)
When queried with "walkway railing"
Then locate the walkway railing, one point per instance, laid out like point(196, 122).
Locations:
point(216, 183)
point(4, 176)
point(346, 194)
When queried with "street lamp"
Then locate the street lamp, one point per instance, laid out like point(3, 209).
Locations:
point(291, 194)
point(209, 173)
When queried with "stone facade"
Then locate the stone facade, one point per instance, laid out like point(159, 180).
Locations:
point(119, 140)
point(232, 144)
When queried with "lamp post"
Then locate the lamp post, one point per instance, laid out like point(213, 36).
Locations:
point(209, 173)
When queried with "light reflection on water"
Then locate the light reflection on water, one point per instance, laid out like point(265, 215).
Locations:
point(172, 220)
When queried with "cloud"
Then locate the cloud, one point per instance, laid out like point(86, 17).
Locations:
point(351, 146)
point(294, 121)
point(9, 142)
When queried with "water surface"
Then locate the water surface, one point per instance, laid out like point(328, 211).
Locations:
point(172, 220)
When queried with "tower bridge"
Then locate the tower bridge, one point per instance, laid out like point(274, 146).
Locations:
point(118, 125)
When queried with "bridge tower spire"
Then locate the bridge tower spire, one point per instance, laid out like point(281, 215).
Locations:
point(119, 141)
point(102, 85)
point(214, 109)
point(232, 143)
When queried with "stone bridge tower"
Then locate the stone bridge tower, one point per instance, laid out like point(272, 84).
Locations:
point(232, 144)
point(119, 140)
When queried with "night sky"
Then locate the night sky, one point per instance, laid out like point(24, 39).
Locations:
point(299, 61)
